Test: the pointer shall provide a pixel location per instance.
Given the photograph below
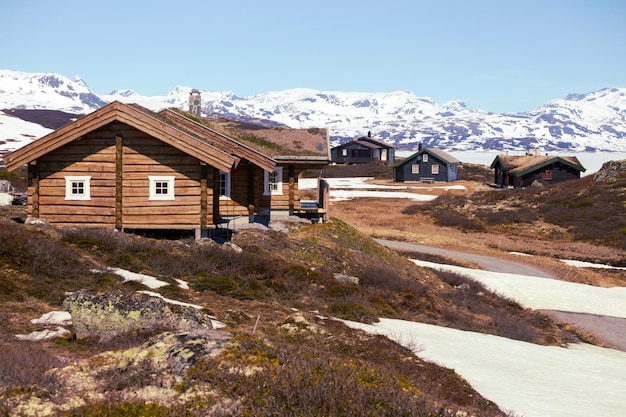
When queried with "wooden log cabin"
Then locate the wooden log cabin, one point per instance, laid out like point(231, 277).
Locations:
point(520, 171)
point(128, 168)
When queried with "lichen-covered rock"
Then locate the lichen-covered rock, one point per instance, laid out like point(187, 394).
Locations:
point(105, 316)
point(610, 169)
point(346, 279)
point(149, 372)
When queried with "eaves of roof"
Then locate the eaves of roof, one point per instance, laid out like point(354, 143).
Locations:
point(132, 115)
point(525, 169)
point(520, 165)
point(438, 153)
point(379, 143)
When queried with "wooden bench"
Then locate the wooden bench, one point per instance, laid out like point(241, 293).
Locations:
point(427, 179)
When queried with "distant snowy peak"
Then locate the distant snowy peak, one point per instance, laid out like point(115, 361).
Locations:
point(178, 97)
point(122, 93)
point(606, 96)
point(589, 122)
point(46, 91)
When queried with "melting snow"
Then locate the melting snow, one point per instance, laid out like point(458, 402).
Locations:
point(581, 264)
point(528, 379)
point(342, 189)
point(146, 280)
point(545, 293)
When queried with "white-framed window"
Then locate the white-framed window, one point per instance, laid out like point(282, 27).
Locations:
point(415, 168)
point(161, 187)
point(224, 185)
point(425, 157)
point(273, 182)
point(434, 169)
point(344, 152)
point(78, 187)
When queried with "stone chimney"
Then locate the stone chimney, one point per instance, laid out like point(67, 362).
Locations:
point(195, 102)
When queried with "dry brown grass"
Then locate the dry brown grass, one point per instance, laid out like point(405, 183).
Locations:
point(402, 220)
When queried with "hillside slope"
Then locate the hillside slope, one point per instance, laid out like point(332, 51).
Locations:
point(265, 296)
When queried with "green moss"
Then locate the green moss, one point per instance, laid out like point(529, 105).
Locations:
point(126, 409)
point(264, 143)
point(219, 284)
point(351, 310)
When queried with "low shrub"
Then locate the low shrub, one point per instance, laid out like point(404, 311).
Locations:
point(353, 310)
point(451, 219)
point(283, 379)
point(116, 408)
point(23, 369)
point(219, 284)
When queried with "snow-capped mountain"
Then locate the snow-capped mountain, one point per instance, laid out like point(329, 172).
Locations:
point(586, 122)
point(580, 122)
point(46, 91)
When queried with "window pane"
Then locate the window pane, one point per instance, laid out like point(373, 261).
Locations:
point(78, 187)
point(273, 182)
point(160, 187)
point(273, 186)
point(222, 184)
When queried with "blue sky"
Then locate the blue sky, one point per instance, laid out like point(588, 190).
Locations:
point(496, 55)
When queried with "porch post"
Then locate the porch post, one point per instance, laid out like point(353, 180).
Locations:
point(204, 174)
point(119, 195)
point(216, 196)
point(33, 184)
point(292, 188)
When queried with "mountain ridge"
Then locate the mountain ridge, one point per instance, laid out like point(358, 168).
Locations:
point(589, 122)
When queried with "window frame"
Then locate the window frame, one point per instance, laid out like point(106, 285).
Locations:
point(70, 182)
point(546, 175)
point(434, 169)
point(155, 180)
point(425, 157)
point(278, 173)
point(224, 185)
point(415, 168)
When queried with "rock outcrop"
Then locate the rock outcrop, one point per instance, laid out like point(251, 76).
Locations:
point(610, 169)
point(105, 316)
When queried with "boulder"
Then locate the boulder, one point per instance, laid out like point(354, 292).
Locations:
point(105, 316)
point(610, 169)
point(344, 279)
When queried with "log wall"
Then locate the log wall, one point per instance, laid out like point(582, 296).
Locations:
point(141, 156)
point(88, 156)
point(120, 160)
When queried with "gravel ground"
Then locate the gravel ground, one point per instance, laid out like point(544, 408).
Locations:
point(488, 263)
point(611, 330)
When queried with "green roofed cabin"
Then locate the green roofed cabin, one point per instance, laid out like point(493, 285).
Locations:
point(522, 170)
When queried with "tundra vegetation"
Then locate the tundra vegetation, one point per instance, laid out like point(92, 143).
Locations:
point(278, 298)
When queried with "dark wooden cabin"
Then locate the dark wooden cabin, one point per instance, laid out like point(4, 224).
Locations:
point(427, 165)
point(125, 167)
point(363, 150)
point(522, 170)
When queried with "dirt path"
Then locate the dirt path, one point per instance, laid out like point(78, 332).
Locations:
point(611, 330)
point(489, 263)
